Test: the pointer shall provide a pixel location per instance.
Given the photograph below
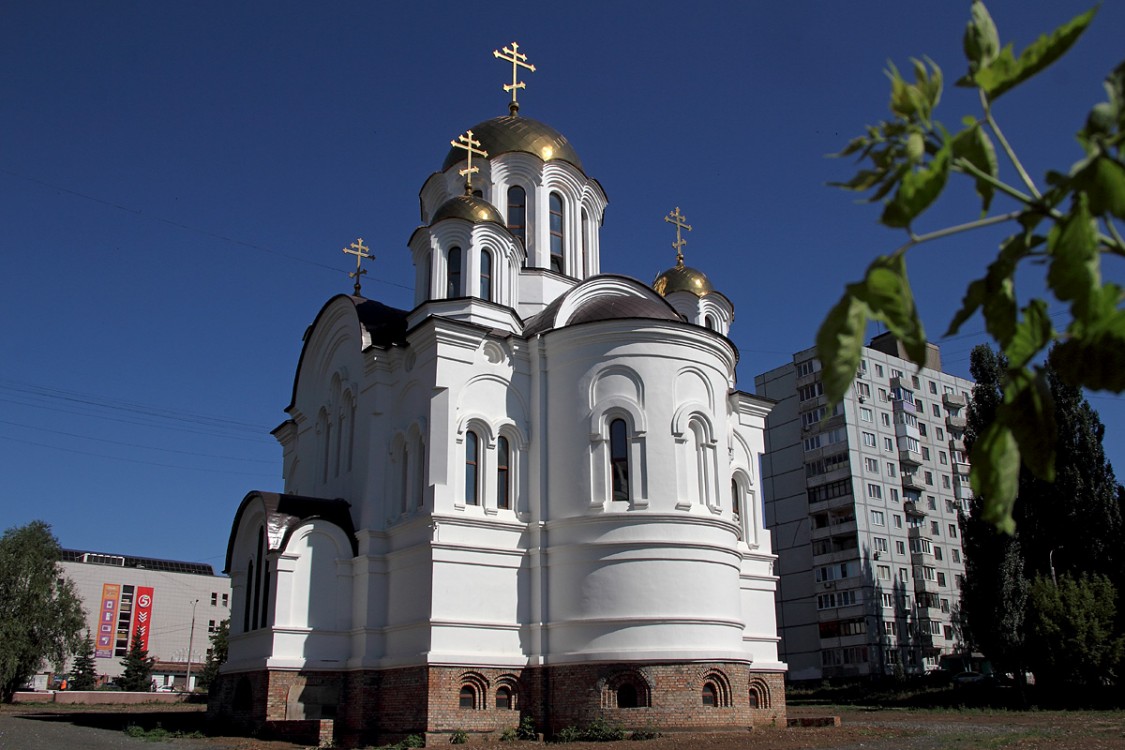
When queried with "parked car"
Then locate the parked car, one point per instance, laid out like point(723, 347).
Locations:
point(968, 678)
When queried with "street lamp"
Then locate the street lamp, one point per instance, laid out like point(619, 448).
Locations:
point(191, 640)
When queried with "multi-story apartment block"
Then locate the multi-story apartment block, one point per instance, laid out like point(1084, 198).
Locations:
point(862, 501)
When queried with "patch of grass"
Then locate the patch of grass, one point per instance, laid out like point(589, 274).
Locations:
point(598, 730)
point(158, 733)
point(459, 737)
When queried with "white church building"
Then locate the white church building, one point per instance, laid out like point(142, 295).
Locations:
point(535, 493)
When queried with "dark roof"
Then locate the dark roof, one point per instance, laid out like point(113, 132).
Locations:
point(606, 306)
point(284, 513)
point(509, 133)
point(129, 561)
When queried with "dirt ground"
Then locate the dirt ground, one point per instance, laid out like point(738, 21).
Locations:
point(41, 727)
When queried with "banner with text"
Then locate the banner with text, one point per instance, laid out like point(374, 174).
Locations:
point(107, 618)
point(142, 615)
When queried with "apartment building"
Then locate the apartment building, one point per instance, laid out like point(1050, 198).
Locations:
point(862, 501)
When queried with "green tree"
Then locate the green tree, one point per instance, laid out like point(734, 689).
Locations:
point(137, 676)
point(40, 614)
point(1064, 223)
point(84, 674)
point(1071, 634)
point(218, 655)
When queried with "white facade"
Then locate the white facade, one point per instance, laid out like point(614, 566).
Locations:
point(111, 588)
point(538, 465)
point(865, 503)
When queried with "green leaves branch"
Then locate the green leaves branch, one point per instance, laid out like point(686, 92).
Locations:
point(907, 162)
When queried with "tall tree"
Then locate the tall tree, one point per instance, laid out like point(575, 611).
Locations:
point(137, 676)
point(84, 674)
point(1071, 634)
point(218, 656)
point(40, 614)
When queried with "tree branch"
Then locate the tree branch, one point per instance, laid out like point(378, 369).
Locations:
point(1007, 148)
point(918, 239)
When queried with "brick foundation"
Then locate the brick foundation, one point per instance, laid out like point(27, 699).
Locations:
point(380, 706)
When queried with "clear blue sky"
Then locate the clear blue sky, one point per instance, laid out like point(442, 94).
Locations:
point(177, 181)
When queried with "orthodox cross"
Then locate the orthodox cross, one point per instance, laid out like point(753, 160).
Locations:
point(359, 250)
point(470, 144)
point(518, 60)
point(678, 218)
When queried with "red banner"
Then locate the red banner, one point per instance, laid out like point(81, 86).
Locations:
point(107, 620)
point(142, 614)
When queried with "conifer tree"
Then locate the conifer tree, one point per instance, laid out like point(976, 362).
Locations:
point(84, 672)
point(218, 655)
point(137, 676)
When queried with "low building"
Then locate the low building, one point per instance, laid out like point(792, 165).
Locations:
point(175, 606)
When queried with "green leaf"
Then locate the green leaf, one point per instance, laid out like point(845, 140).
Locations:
point(999, 306)
point(1103, 180)
point(1073, 247)
point(981, 40)
point(918, 190)
point(886, 292)
point(974, 146)
point(1029, 411)
point(974, 298)
point(1094, 354)
point(995, 474)
point(1031, 335)
point(839, 344)
point(1006, 72)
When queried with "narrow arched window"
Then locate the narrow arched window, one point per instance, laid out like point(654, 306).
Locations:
point(503, 490)
point(472, 464)
point(627, 696)
point(249, 605)
point(504, 698)
point(453, 288)
point(556, 205)
point(419, 473)
point(619, 458)
point(735, 499)
point(517, 213)
point(429, 276)
point(404, 477)
point(467, 698)
point(264, 615)
point(585, 269)
point(710, 695)
point(709, 322)
point(257, 580)
point(486, 275)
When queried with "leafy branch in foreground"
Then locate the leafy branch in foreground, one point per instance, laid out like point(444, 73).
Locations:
point(1066, 224)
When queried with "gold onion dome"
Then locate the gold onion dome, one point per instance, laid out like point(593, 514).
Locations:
point(681, 278)
point(509, 133)
point(469, 208)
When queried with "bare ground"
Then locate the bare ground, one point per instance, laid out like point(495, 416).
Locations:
point(42, 727)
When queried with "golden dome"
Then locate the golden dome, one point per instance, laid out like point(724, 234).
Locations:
point(469, 208)
point(681, 278)
point(502, 135)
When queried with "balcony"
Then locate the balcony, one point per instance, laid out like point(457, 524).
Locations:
point(834, 528)
point(911, 481)
point(955, 423)
point(907, 456)
point(922, 585)
point(905, 406)
point(954, 401)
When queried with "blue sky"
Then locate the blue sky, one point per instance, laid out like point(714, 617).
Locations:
point(177, 181)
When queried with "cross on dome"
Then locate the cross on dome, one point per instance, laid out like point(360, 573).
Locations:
point(679, 220)
point(359, 250)
point(518, 60)
point(469, 144)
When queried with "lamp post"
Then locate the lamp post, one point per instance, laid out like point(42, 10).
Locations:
point(191, 640)
point(1051, 564)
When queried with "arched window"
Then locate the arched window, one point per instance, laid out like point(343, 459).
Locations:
point(419, 473)
point(504, 698)
point(472, 464)
point(453, 288)
point(467, 698)
point(517, 213)
point(486, 275)
point(556, 205)
point(735, 499)
point(619, 458)
point(710, 695)
point(249, 605)
point(585, 269)
point(627, 696)
point(257, 580)
point(404, 477)
point(709, 322)
point(263, 619)
point(429, 276)
point(503, 488)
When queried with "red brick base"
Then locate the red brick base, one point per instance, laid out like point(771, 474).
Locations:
point(379, 706)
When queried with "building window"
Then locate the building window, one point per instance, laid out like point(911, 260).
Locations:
point(627, 696)
point(735, 499)
point(214, 598)
point(226, 600)
point(709, 323)
point(891, 471)
point(952, 531)
point(874, 491)
point(886, 418)
point(503, 489)
point(485, 275)
point(585, 269)
point(517, 213)
point(556, 205)
point(935, 528)
point(877, 518)
point(866, 414)
point(710, 695)
point(619, 459)
point(871, 465)
point(504, 700)
point(956, 553)
point(472, 464)
point(467, 698)
point(869, 439)
point(879, 543)
point(453, 288)
point(900, 547)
